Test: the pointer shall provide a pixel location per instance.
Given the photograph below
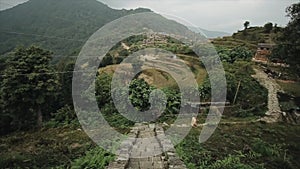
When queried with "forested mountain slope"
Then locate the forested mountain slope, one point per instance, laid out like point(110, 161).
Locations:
point(61, 26)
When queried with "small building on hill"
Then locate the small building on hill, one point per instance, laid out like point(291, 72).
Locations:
point(264, 50)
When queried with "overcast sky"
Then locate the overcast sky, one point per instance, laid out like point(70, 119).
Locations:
point(221, 15)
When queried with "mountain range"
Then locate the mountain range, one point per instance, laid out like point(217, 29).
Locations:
point(208, 33)
point(62, 26)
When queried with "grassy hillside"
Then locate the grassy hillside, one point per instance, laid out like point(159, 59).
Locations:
point(208, 33)
point(248, 38)
point(249, 146)
point(153, 77)
point(61, 26)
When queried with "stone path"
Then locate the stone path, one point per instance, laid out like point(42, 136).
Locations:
point(146, 149)
point(274, 113)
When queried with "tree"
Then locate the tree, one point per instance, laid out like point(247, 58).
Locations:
point(28, 85)
point(268, 27)
point(103, 89)
point(66, 81)
point(246, 24)
point(107, 60)
point(139, 93)
point(288, 48)
point(276, 28)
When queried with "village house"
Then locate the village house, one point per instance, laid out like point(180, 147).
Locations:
point(264, 50)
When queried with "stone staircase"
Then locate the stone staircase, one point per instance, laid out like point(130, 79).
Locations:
point(147, 148)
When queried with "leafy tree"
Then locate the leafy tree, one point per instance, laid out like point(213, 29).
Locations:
point(288, 48)
point(139, 93)
point(66, 66)
point(246, 24)
point(28, 85)
point(107, 60)
point(268, 27)
point(173, 101)
point(103, 89)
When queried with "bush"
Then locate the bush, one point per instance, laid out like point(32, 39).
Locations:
point(230, 162)
point(265, 149)
point(97, 158)
point(64, 116)
point(268, 27)
point(237, 53)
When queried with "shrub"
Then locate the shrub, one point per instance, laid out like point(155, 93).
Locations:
point(96, 158)
point(230, 162)
point(64, 116)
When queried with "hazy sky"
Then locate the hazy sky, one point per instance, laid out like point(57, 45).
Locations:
point(221, 15)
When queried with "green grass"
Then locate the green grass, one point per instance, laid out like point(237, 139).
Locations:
point(252, 145)
point(230, 42)
point(161, 79)
point(44, 148)
point(292, 88)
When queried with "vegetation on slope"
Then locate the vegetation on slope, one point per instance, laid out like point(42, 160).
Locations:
point(60, 143)
point(62, 26)
point(247, 146)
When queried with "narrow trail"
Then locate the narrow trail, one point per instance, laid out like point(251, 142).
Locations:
point(274, 113)
point(147, 149)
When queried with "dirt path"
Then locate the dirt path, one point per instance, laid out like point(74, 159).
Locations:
point(274, 113)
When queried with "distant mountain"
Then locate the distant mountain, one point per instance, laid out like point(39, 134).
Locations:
point(209, 34)
point(61, 26)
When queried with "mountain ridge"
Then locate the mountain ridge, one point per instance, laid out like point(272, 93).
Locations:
point(58, 25)
point(209, 33)
point(62, 26)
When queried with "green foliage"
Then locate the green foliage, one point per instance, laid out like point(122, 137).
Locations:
point(139, 93)
point(115, 119)
point(274, 152)
point(64, 116)
point(238, 146)
point(268, 27)
point(249, 38)
point(65, 65)
point(196, 156)
point(28, 85)
point(96, 158)
point(61, 26)
point(230, 162)
point(173, 101)
point(267, 150)
point(288, 48)
point(252, 97)
point(237, 53)
point(246, 24)
point(134, 39)
point(105, 103)
point(205, 90)
point(45, 148)
point(107, 60)
point(103, 89)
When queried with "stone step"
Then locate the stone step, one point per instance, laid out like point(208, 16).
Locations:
point(146, 150)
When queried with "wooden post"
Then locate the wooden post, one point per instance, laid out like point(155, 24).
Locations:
point(236, 93)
